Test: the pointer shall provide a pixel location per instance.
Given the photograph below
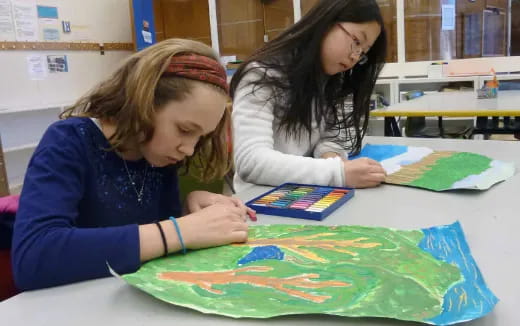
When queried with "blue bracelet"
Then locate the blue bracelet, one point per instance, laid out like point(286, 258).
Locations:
point(178, 233)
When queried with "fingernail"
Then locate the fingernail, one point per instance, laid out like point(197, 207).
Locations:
point(252, 216)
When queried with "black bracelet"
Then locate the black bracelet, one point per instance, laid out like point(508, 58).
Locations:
point(163, 238)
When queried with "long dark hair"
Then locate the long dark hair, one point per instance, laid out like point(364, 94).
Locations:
point(300, 82)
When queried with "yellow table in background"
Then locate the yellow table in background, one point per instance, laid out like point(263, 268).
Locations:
point(458, 105)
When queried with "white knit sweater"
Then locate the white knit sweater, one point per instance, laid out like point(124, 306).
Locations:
point(263, 155)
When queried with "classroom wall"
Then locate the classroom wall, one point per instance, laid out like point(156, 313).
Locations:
point(94, 21)
point(27, 107)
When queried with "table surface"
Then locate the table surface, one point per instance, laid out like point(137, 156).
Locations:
point(490, 221)
point(455, 104)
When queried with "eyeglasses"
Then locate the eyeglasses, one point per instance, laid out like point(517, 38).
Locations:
point(356, 47)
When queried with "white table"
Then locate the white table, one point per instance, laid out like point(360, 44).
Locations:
point(491, 221)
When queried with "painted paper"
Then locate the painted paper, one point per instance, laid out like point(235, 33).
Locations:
point(423, 167)
point(424, 275)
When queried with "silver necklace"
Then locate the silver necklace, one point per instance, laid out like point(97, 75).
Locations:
point(140, 192)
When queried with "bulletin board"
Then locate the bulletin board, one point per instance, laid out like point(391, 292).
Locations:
point(62, 25)
point(49, 61)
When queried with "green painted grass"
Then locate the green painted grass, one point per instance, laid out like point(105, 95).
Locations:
point(395, 279)
point(449, 170)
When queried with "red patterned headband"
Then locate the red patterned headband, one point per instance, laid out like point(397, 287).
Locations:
point(199, 67)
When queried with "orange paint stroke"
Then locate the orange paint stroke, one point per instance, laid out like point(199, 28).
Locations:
point(206, 281)
point(295, 245)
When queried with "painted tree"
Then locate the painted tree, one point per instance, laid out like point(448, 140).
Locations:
point(207, 281)
point(298, 244)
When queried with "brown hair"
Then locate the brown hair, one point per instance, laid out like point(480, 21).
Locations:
point(132, 94)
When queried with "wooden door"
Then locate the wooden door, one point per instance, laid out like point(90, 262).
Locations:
point(307, 5)
point(501, 4)
point(245, 25)
point(187, 19)
point(424, 36)
point(240, 27)
point(389, 13)
point(278, 16)
point(515, 27)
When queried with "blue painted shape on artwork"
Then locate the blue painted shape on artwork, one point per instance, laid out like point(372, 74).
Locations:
point(262, 253)
point(380, 152)
point(449, 245)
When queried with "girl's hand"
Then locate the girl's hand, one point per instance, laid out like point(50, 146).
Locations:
point(363, 173)
point(198, 200)
point(213, 226)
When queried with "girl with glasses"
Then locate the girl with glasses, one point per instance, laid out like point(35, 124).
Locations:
point(301, 103)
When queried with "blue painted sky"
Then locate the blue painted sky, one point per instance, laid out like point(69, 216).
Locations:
point(469, 299)
point(381, 152)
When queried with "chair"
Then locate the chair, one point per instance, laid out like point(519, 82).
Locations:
point(7, 286)
point(416, 127)
point(4, 186)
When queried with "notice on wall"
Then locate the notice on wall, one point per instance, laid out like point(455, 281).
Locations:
point(48, 22)
point(6, 22)
point(81, 32)
point(37, 66)
point(49, 29)
point(47, 12)
point(448, 17)
point(25, 20)
point(147, 37)
point(57, 63)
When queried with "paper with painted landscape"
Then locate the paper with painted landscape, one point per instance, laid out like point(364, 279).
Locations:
point(425, 168)
point(423, 275)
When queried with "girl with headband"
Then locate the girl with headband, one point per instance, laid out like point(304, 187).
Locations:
point(102, 185)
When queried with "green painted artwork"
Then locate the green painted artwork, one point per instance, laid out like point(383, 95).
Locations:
point(423, 167)
point(424, 275)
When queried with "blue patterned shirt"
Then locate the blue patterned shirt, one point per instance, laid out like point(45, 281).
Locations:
point(79, 210)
